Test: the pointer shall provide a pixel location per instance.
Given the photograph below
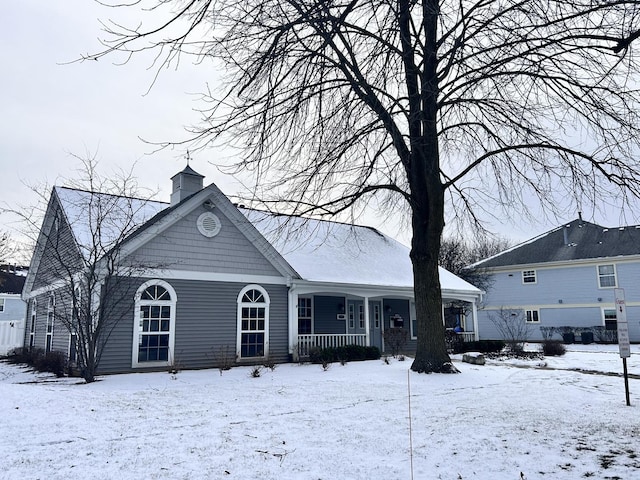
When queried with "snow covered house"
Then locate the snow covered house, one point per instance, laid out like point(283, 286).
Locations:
point(566, 278)
point(216, 278)
point(12, 308)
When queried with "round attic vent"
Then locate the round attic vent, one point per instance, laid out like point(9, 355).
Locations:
point(209, 224)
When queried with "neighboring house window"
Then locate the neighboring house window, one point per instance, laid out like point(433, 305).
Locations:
point(253, 322)
point(1, 304)
point(610, 319)
point(32, 326)
point(51, 312)
point(304, 316)
point(529, 276)
point(606, 276)
point(376, 316)
point(361, 316)
point(153, 333)
point(532, 316)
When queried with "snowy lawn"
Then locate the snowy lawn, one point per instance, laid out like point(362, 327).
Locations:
point(349, 422)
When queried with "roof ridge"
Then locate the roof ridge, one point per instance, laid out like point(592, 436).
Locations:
point(82, 190)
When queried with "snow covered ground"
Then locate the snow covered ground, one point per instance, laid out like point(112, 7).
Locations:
point(349, 422)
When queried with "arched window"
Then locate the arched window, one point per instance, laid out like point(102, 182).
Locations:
point(154, 325)
point(253, 322)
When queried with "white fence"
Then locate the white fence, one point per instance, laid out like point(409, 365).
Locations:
point(307, 342)
point(11, 335)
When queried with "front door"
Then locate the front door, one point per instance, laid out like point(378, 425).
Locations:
point(355, 317)
point(375, 323)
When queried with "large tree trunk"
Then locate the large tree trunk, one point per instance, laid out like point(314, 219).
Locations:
point(431, 351)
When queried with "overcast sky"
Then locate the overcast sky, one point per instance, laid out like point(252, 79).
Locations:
point(51, 109)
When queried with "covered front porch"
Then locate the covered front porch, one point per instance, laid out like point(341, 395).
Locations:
point(330, 315)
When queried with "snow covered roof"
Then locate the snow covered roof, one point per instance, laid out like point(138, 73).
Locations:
point(318, 250)
point(326, 251)
point(100, 220)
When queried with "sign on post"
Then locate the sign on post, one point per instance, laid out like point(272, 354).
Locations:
point(623, 337)
point(623, 326)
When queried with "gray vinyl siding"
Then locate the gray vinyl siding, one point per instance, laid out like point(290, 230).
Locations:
point(564, 296)
point(60, 340)
point(325, 312)
point(206, 323)
point(183, 247)
point(60, 255)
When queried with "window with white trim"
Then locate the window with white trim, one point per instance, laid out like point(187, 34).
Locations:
point(610, 318)
point(529, 276)
point(253, 322)
point(304, 316)
point(376, 316)
point(361, 316)
point(607, 276)
point(532, 316)
point(1, 304)
point(154, 327)
point(414, 320)
point(51, 312)
point(32, 326)
point(352, 316)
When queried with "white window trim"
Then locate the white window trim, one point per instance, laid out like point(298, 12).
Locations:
point(136, 324)
point(603, 309)
point(412, 317)
point(51, 314)
point(615, 276)
point(535, 277)
point(1, 304)
point(33, 321)
point(241, 304)
point(531, 310)
point(310, 298)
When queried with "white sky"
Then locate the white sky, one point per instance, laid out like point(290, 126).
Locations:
point(50, 110)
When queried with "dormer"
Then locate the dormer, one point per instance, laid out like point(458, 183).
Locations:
point(185, 183)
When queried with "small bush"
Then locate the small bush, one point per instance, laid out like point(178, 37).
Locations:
point(484, 346)
point(270, 364)
point(553, 348)
point(256, 371)
point(395, 339)
point(54, 362)
point(347, 353)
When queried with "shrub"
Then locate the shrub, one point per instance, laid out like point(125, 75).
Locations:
point(395, 339)
point(553, 348)
point(54, 362)
point(256, 371)
point(454, 341)
point(512, 326)
point(347, 353)
point(483, 346)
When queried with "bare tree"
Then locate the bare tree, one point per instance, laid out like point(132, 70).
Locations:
point(512, 326)
point(5, 247)
point(458, 256)
point(481, 105)
point(78, 239)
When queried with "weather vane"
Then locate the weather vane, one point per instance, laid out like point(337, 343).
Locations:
point(188, 157)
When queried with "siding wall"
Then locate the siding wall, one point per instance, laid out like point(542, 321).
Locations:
point(206, 322)
point(325, 311)
point(564, 296)
point(182, 247)
point(60, 254)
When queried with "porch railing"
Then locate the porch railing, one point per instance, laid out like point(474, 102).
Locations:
point(328, 340)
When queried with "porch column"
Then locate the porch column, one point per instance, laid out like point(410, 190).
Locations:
point(367, 325)
point(293, 321)
point(474, 311)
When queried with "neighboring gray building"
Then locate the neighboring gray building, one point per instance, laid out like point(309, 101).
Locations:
point(12, 309)
point(566, 277)
point(221, 278)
